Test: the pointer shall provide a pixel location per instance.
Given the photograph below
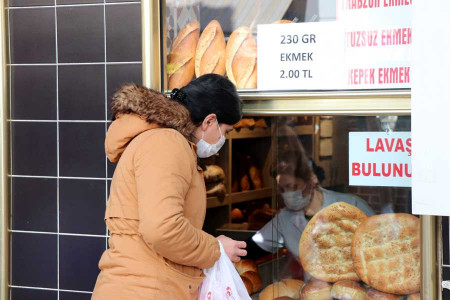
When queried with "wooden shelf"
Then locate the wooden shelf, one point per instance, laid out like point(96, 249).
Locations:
point(239, 197)
point(251, 195)
point(248, 133)
point(216, 201)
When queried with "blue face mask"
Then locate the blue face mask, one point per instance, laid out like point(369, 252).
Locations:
point(295, 200)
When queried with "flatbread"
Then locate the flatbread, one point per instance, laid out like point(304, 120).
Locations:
point(386, 253)
point(325, 245)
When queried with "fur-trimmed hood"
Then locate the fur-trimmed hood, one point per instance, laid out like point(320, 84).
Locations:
point(138, 109)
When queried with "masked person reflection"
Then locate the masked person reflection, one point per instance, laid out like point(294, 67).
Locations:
point(302, 198)
point(157, 203)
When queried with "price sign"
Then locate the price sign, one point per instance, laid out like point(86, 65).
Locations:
point(301, 56)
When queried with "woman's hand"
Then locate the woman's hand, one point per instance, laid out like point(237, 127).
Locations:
point(233, 249)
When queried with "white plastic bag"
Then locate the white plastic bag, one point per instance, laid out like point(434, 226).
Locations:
point(222, 281)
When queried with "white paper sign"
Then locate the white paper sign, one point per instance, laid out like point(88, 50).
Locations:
point(380, 159)
point(300, 56)
point(430, 105)
point(378, 37)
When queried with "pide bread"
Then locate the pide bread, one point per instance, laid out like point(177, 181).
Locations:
point(181, 61)
point(325, 245)
point(240, 61)
point(386, 253)
point(210, 53)
point(284, 288)
point(316, 290)
point(348, 290)
point(415, 296)
point(373, 294)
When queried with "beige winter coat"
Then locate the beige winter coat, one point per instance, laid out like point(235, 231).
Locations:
point(156, 206)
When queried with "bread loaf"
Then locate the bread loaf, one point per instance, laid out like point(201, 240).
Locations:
point(237, 215)
point(282, 22)
point(255, 280)
point(216, 190)
point(248, 271)
point(347, 289)
point(256, 177)
point(248, 285)
point(245, 123)
point(386, 253)
point(240, 61)
point(245, 183)
point(316, 290)
point(210, 54)
point(325, 244)
point(373, 294)
point(284, 288)
point(415, 296)
point(261, 123)
point(181, 62)
point(213, 173)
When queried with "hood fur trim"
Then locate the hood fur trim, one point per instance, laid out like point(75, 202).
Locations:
point(154, 107)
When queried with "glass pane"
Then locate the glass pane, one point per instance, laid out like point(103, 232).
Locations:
point(335, 237)
point(224, 37)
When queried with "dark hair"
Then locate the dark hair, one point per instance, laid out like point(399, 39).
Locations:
point(294, 163)
point(211, 94)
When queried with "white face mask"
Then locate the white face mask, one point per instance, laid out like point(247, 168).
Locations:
point(295, 200)
point(205, 149)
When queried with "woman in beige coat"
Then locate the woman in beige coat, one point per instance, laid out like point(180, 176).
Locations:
point(157, 202)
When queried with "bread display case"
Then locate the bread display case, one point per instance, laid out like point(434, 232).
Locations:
point(282, 180)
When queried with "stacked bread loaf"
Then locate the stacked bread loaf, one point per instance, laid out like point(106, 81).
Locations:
point(214, 180)
point(343, 246)
point(248, 271)
point(284, 289)
point(192, 53)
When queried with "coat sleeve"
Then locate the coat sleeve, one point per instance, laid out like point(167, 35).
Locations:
point(163, 169)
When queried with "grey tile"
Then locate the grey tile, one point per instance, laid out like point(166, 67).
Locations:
point(80, 34)
point(82, 151)
point(123, 33)
point(82, 92)
point(34, 259)
point(74, 296)
point(117, 75)
point(34, 204)
point(29, 294)
point(33, 148)
point(63, 2)
point(21, 3)
point(79, 257)
point(33, 92)
point(32, 35)
point(82, 205)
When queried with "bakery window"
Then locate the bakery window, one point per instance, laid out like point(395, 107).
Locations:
point(311, 229)
point(292, 45)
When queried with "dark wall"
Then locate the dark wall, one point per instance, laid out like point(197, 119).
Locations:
point(66, 59)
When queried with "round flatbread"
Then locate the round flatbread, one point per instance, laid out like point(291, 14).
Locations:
point(325, 245)
point(386, 253)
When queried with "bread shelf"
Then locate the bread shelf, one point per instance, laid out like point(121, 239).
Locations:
point(239, 197)
point(251, 195)
point(248, 133)
point(216, 201)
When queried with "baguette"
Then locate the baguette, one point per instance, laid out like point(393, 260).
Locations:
point(241, 62)
point(210, 53)
point(180, 61)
